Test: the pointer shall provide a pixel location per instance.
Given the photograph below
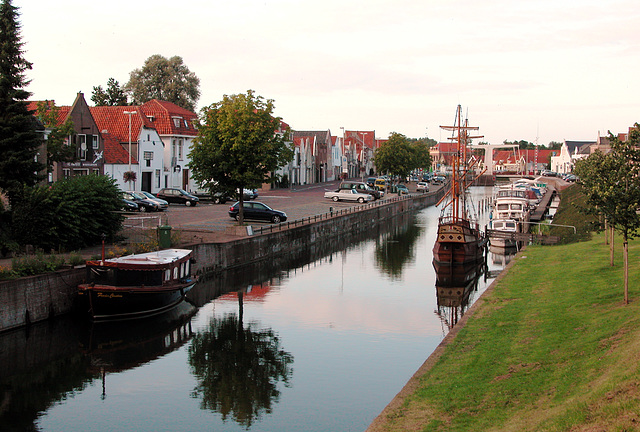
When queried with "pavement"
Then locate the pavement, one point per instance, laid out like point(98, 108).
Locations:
point(208, 222)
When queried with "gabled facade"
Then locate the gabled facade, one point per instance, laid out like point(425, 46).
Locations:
point(360, 147)
point(320, 167)
point(86, 138)
point(146, 158)
point(176, 129)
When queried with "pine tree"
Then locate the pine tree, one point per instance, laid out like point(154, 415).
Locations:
point(18, 139)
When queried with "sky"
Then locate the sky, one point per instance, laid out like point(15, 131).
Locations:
point(533, 70)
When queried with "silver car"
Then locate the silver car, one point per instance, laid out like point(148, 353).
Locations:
point(162, 204)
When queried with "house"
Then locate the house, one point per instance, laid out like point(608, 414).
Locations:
point(320, 166)
point(176, 129)
point(359, 149)
point(86, 139)
point(146, 158)
point(569, 153)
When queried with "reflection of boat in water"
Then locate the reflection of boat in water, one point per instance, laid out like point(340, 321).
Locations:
point(502, 256)
point(119, 345)
point(136, 285)
point(454, 287)
point(459, 239)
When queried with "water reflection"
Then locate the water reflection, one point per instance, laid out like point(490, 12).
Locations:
point(238, 367)
point(395, 250)
point(455, 284)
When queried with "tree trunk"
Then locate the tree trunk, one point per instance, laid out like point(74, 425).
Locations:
point(241, 208)
point(625, 253)
point(611, 249)
point(606, 231)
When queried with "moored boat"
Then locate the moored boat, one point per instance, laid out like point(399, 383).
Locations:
point(459, 239)
point(136, 285)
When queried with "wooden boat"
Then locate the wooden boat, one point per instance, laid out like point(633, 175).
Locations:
point(459, 239)
point(136, 285)
point(503, 230)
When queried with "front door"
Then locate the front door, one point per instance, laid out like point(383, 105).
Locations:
point(146, 181)
point(185, 179)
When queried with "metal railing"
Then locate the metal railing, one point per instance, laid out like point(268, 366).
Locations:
point(331, 214)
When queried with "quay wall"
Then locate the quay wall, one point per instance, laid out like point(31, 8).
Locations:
point(27, 300)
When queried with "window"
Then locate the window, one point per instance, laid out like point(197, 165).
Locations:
point(82, 147)
point(186, 124)
point(158, 178)
point(173, 148)
point(95, 145)
point(177, 121)
point(180, 144)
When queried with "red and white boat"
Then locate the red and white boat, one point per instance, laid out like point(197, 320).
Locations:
point(136, 285)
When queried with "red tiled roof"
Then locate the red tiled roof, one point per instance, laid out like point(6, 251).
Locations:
point(63, 111)
point(114, 152)
point(115, 122)
point(163, 114)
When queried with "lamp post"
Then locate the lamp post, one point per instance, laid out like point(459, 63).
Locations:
point(129, 113)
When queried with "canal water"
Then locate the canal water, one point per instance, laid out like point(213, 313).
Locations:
point(320, 344)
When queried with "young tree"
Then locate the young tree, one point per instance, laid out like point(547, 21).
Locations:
point(18, 139)
point(612, 186)
point(237, 145)
point(58, 149)
point(164, 79)
point(114, 95)
point(396, 156)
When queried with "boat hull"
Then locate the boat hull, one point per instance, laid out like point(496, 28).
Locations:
point(113, 303)
point(457, 243)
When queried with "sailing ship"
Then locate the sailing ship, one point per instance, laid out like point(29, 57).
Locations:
point(136, 285)
point(459, 240)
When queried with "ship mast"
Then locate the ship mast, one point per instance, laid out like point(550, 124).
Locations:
point(458, 180)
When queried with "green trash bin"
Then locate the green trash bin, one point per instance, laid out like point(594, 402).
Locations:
point(164, 236)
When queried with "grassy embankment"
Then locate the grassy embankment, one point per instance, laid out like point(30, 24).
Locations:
point(551, 347)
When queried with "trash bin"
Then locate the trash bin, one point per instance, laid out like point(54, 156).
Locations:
point(164, 236)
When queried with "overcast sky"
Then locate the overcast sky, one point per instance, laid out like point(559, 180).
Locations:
point(537, 70)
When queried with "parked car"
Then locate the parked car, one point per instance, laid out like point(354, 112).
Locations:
point(255, 210)
point(381, 183)
point(422, 186)
point(437, 180)
point(371, 182)
point(144, 204)
point(348, 195)
point(178, 196)
point(362, 187)
point(402, 189)
point(129, 206)
point(249, 194)
point(162, 204)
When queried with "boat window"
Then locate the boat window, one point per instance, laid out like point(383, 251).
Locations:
point(182, 270)
point(499, 225)
point(516, 206)
point(175, 272)
point(167, 274)
point(187, 267)
point(503, 206)
point(511, 225)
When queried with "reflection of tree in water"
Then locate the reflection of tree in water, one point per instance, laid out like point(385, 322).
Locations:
point(238, 369)
point(397, 249)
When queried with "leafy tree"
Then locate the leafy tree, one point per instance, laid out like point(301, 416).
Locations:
point(553, 145)
point(237, 145)
point(612, 185)
point(396, 156)
point(164, 79)
point(114, 95)
point(18, 139)
point(71, 214)
point(58, 148)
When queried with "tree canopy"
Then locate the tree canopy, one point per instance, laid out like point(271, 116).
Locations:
point(166, 79)
point(398, 156)
point(237, 145)
point(114, 95)
point(612, 185)
point(18, 139)
point(58, 149)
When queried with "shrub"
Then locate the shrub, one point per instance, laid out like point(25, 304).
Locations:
point(29, 265)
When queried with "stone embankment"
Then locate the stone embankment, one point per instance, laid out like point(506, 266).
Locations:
point(37, 298)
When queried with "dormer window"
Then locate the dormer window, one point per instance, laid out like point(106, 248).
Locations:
point(186, 124)
point(151, 118)
point(177, 121)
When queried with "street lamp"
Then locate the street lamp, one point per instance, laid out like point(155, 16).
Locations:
point(129, 113)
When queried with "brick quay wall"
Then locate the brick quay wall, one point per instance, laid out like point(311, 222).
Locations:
point(36, 298)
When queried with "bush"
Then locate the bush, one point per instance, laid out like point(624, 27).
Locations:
point(71, 214)
point(29, 265)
